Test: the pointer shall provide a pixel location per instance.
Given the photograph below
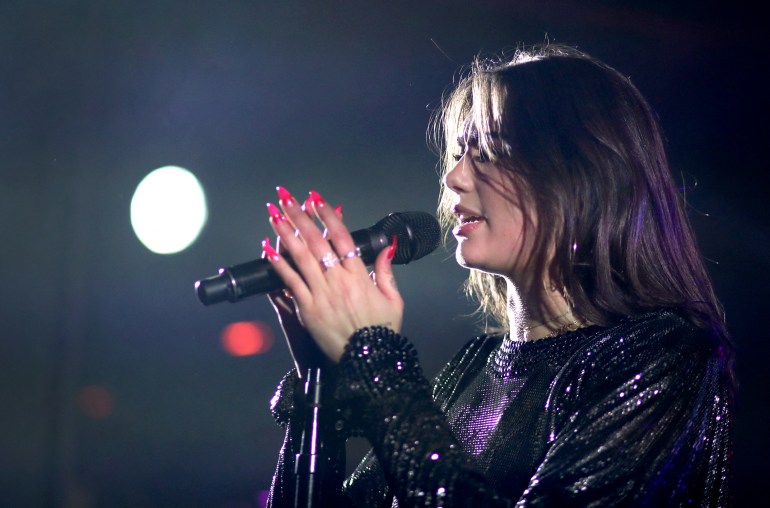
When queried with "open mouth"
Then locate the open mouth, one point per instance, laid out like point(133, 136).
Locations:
point(468, 224)
point(468, 219)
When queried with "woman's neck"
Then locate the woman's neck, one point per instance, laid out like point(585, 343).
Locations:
point(538, 313)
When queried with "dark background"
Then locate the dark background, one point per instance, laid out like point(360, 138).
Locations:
point(334, 96)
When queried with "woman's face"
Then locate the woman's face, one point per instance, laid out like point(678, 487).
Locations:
point(495, 222)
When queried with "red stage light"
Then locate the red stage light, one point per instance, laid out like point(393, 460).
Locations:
point(246, 338)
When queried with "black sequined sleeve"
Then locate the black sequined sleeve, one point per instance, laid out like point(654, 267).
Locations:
point(282, 408)
point(423, 463)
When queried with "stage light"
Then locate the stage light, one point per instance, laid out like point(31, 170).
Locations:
point(246, 338)
point(168, 210)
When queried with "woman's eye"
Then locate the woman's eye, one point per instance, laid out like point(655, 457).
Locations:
point(476, 155)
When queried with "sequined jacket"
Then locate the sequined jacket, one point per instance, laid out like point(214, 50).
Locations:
point(634, 414)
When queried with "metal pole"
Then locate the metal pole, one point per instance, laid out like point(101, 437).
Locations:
point(309, 463)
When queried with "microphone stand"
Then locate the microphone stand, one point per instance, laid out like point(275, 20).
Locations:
point(310, 462)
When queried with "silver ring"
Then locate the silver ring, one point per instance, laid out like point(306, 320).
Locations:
point(356, 253)
point(329, 260)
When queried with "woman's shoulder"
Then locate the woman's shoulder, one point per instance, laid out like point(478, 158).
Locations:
point(655, 341)
point(478, 347)
point(663, 330)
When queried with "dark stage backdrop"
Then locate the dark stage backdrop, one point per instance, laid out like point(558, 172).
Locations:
point(115, 387)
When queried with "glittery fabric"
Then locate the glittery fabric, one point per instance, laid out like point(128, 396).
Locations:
point(635, 414)
point(283, 402)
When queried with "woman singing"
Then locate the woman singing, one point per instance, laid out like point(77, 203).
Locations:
point(610, 382)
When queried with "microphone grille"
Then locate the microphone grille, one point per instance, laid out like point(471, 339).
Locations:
point(418, 234)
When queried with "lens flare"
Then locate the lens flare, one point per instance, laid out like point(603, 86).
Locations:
point(168, 210)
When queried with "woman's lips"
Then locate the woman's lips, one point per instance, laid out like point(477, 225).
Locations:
point(467, 226)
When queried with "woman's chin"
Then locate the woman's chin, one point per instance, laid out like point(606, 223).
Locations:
point(468, 260)
point(475, 261)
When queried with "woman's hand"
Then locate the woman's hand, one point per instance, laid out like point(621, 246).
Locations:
point(331, 286)
point(304, 350)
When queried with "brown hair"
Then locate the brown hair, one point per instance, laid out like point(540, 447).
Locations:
point(586, 145)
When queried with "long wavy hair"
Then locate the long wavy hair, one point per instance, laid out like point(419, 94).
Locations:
point(587, 148)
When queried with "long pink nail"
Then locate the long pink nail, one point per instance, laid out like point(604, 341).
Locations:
point(338, 210)
point(271, 254)
point(392, 248)
point(285, 196)
point(275, 213)
point(316, 199)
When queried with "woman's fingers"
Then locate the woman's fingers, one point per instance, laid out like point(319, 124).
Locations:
point(308, 231)
point(338, 234)
point(383, 272)
point(283, 304)
point(312, 276)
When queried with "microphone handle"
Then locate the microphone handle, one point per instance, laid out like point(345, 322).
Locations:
point(369, 243)
point(237, 282)
point(250, 278)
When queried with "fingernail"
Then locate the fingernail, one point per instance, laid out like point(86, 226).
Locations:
point(271, 254)
point(275, 213)
point(286, 199)
point(338, 210)
point(316, 199)
point(392, 248)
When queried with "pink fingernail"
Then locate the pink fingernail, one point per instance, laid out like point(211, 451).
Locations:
point(266, 241)
point(285, 196)
point(316, 199)
point(271, 254)
point(275, 213)
point(392, 248)
point(338, 210)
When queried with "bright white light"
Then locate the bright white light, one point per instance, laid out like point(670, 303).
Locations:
point(168, 210)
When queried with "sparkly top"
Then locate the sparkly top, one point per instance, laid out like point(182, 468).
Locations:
point(634, 414)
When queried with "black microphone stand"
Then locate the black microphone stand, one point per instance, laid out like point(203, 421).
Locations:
point(310, 462)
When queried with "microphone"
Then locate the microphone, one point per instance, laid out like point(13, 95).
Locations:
point(418, 234)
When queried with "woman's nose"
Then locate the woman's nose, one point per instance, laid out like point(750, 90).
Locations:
point(456, 179)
